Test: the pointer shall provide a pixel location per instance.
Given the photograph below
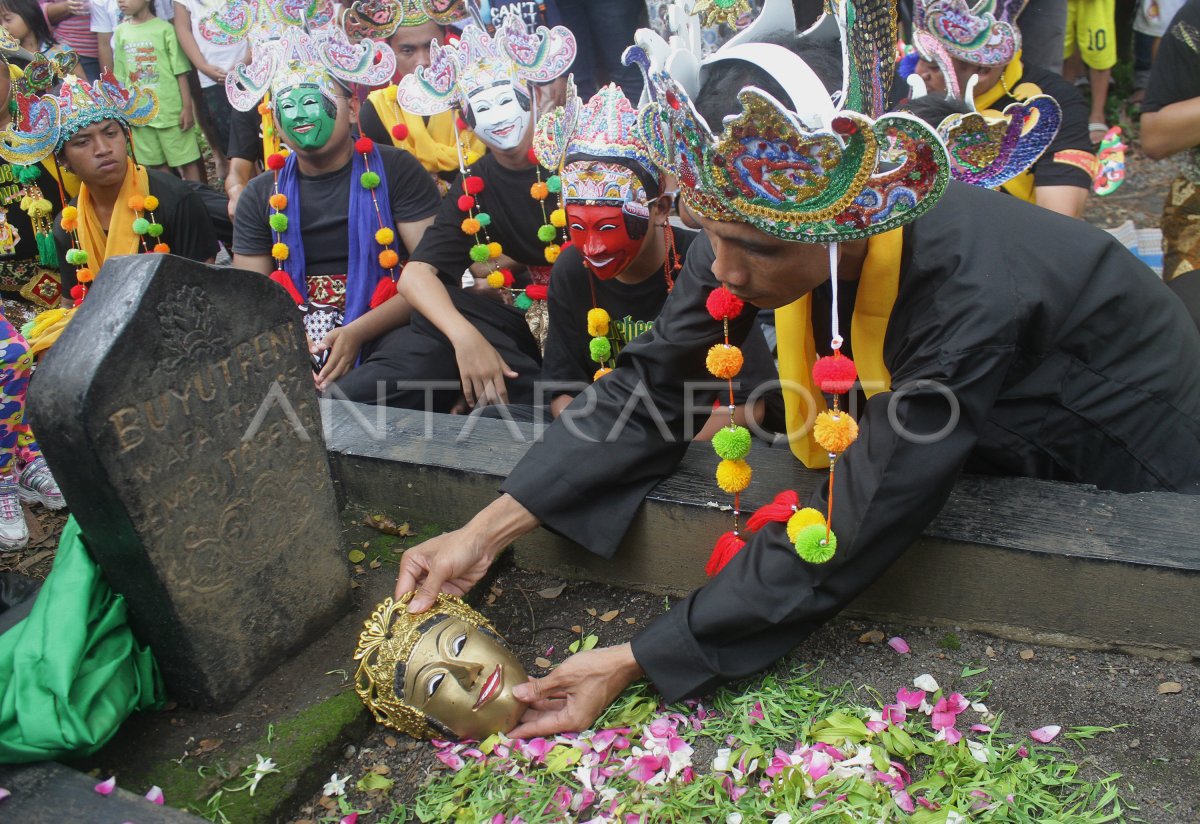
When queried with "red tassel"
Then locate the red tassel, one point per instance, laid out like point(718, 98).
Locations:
point(779, 510)
point(284, 279)
point(385, 290)
point(727, 546)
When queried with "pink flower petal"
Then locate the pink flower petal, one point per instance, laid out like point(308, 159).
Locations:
point(1046, 734)
point(942, 720)
point(894, 714)
point(4, 794)
point(1023, 751)
point(927, 804)
point(106, 787)
point(350, 819)
point(911, 699)
point(904, 801)
point(980, 728)
point(498, 818)
point(877, 726)
point(899, 645)
point(156, 795)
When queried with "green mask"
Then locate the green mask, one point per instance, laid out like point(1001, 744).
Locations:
point(305, 117)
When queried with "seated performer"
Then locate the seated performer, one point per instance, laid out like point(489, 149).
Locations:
point(1019, 350)
point(609, 286)
point(444, 674)
point(495, 223)
point(431, 139)
point(331, 222)
point(958, 41)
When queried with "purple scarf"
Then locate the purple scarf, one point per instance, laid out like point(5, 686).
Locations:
point(363, 271)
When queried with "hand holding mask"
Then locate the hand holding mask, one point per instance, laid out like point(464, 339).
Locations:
point(445, 673)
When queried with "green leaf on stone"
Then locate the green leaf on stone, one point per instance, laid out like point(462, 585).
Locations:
point(372, 782)
point(356, 556)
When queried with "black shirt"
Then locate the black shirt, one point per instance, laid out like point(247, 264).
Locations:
point(1176, 72)
point(18, 245)
point(187, 228)
point(516, 217)
point(324, 204)
point(1072, 133)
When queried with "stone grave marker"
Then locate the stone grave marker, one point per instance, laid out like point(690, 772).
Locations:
point(179, 416)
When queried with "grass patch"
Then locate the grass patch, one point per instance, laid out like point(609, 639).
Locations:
point(950, 641)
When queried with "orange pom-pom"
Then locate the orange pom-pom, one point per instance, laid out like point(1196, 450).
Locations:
point(727, 546)
point(724, 360)
point(69, 224)
point(539, 190)
point(835, 432)
point(388, 259)
point(278, 201)
point(136, 202)
point(162, 248)
point(84, 275)
point(835, 374)
point(470, 226)
point(601, 372)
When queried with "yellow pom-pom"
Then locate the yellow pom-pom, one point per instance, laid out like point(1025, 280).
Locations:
point(495, 280)
point(600, 373)
point(495, 250)
point(558, 218)
point(279, 251)
point(84, 275)
point(70, 213)
point(389, 93)
point(388, 259)
point(150, 202)
point(278, 201)
point(835, 432)
point(470, 226)
point(384, 236)
point(724, 360)
point(733, 476)
point(552, 252)
point(472, 157)
point(136, 202)
point(802, 518)
point(539, 191)
point(597, 323)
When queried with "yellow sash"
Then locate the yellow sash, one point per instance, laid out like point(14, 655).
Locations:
point(119, 239)
point(877, 287)
point(433, 143)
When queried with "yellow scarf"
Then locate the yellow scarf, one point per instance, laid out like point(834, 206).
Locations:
point(877, 288)
point(1020, 186)
point(119, 238)
point(433, 143)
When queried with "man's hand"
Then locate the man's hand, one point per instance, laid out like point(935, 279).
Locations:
point(343, 346)
point(482, 371)
point(452, 562)
point(574, 694)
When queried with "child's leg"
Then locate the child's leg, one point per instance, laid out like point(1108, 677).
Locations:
point(1098, 47)
point(183, 152)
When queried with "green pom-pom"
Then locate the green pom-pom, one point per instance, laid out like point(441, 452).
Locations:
point(522, 302)
point(812, 546)
point(554, 183)
point(156, 229)
point(141, 226)
point(732, 443)
point(73, 257)
point(484, 219)
point(369, 180)
point(546, 233)
point(81, 257)
point(600, 349)
point(479, 252)
point(27, 174)
point(278, 221)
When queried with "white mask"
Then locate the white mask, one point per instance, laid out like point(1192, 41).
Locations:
point(500, 121)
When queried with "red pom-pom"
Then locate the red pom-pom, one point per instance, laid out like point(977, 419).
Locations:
point(364, 145)
point(400, 131)
point(727, 546)
point(780, 510)
point(473, 184)
point(532, 155)
point(285, 280)
point(537, 291)
point(722, 304)
point(508, 278)
point(275, 161)
point(835, 374)
point(78, 291)
point(466, 203)
point(460, 124)
point(385, 290)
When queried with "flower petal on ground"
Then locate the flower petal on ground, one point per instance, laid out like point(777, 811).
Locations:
point(926, 682)
point(4, 793)
point(1046, 734)
point(106, 787)
point(349, 819)
point(899, 645)
point(156, 795)
point(911, 699)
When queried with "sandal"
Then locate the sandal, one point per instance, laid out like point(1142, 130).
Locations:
point(1096, 132)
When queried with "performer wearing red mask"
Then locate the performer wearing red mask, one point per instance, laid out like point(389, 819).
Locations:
point(609, 285)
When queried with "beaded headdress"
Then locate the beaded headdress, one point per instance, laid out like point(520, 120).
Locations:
point(45, 123)
point(978, 34)
point(322, 59)
point(990, 151)
point(600, 151)
point(479, 60)
point(388, 638)
point(261, 20)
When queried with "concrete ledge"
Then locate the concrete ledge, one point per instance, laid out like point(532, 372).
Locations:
point(1036, 560)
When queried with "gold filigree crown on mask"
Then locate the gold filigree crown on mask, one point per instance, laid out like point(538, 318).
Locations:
point(388, 639)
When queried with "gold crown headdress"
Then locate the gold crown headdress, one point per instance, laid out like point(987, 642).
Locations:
point(388, 638)
point(381, 18)
point(982, 34)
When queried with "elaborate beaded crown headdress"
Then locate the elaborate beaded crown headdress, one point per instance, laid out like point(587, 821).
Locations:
point(261, 20)
point(388, 638)
point(981, 34)
point(45, 123)
point(479, 60)
point(600, 151)
point(381, 18)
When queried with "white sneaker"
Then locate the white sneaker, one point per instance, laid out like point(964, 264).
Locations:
point(14, 534)
point(37, 485)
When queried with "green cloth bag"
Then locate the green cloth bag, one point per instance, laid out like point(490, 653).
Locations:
point(71, 672)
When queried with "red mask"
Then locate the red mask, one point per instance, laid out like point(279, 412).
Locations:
point(600, 235)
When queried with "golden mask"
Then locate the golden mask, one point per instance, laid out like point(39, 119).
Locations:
point(445, 673)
